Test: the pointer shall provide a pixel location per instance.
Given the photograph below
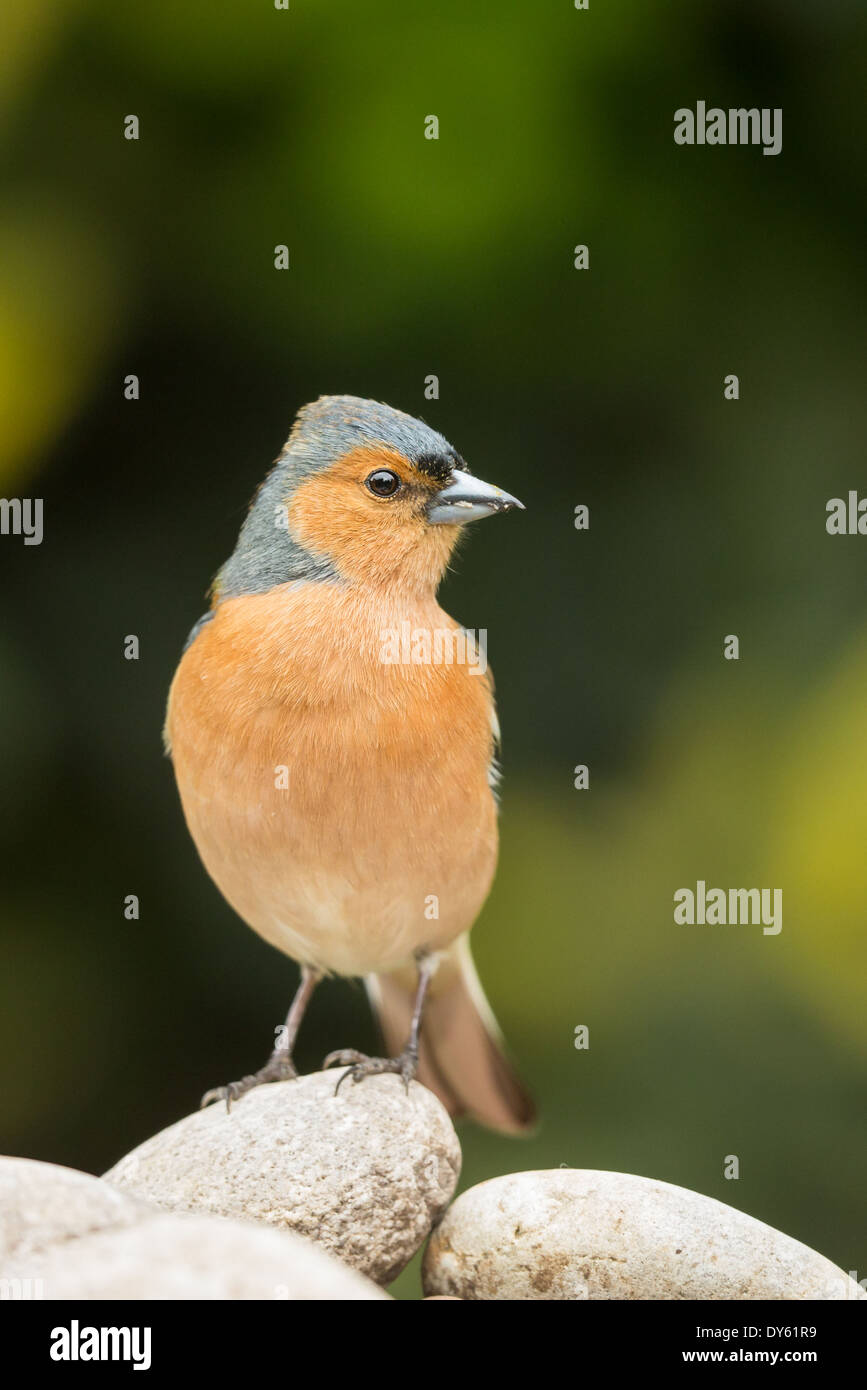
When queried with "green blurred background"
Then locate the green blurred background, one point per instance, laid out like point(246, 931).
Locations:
point(605, 387)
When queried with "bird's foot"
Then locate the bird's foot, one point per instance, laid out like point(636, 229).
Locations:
point(359, 1065)
point(279, 1067)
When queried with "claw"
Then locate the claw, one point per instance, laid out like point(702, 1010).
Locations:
point(359, 1065)
point(233, 1091)
point(217, 1093)
point(280, 1068)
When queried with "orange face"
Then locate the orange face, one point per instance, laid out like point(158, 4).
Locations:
point(367, 514)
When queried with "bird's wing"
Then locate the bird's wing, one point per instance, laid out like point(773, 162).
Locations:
point(494, 770)
point(197, 627)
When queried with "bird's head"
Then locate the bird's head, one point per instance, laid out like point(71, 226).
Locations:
point(361, 493)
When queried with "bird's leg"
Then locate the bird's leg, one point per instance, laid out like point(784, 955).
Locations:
point(280, 1066)
point(406, 1063)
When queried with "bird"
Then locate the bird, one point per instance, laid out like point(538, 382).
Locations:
point(339, 783)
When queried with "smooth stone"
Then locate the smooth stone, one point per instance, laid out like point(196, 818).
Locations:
point(365, 1173)
point(178, 1256)
point(65, 1234)
point(44, 1204)
point(583, 1234)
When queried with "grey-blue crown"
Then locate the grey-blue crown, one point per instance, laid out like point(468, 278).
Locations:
point(265, 554)
point(333, 425)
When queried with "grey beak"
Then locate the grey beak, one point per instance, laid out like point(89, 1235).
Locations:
point(466, 498)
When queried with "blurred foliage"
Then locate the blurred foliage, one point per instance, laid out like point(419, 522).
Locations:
point(261, 127)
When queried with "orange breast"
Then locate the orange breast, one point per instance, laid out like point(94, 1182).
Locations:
point(340, 802)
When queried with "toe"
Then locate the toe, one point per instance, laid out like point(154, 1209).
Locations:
point(343, 1057)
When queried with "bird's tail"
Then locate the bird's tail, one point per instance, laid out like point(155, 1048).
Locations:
point(461, 1056)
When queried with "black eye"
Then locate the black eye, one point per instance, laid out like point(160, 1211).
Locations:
point(383, 483)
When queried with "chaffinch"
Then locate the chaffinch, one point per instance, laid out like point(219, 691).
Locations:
point(333, 735)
